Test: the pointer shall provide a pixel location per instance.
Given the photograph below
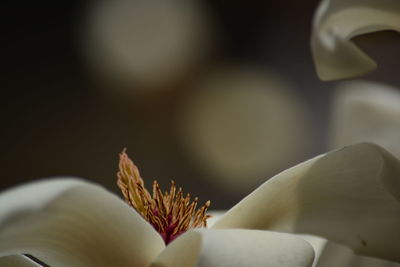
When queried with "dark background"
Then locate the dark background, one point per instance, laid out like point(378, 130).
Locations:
point(57, 119)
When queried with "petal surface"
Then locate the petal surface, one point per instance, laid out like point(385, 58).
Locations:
point(364, 111)
point(350, 196)
point(329, 254)
point(336, 22)
point(215, 216)
point(17, 261)
point(236, 248)
point(67, 222)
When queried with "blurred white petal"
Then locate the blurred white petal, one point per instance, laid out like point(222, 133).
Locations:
point(17, 261)
point(350, 196)
point(144, 44)
point(242, 125)
point(236, 248)
point(336, 22)
point(67, 222)
point(366, 112)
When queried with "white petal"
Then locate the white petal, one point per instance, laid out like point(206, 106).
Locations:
point(336, 22)
point(215, 216)
point(350, 196)
point(236, 248)
point(366, 112)
point(329, 254)
point(230, 127)
point(133, 42)
point(71, 223)
point(17, 261)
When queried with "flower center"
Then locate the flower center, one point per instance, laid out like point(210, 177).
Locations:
point(170, 213)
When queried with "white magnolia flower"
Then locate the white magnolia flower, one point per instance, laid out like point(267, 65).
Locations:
point(349, 196)
point(336, 22)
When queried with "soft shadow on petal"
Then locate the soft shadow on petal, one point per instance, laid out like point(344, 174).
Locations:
point(350, 196)
point(17, 261)
point(336, 22)
point(236, 248)
point(67, 222)
point(329, 254)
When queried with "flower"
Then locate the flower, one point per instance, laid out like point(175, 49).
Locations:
point(348, 196)
point(336, 22)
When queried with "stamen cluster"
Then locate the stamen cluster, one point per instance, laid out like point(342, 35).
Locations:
point(170, 213)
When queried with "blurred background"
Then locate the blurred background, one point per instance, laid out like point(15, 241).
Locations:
point(217, 95)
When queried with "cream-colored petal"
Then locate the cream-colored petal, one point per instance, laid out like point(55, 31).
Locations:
point(215, 216)
point(238, 126)
point(131, 44)
point(329, 254)
point(350, 196)
point(66, 222)
point(17, 261)
point(364, 111)
point(236, 248)
point(336, 22)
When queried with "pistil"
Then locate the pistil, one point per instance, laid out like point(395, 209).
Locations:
point(170, 213)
